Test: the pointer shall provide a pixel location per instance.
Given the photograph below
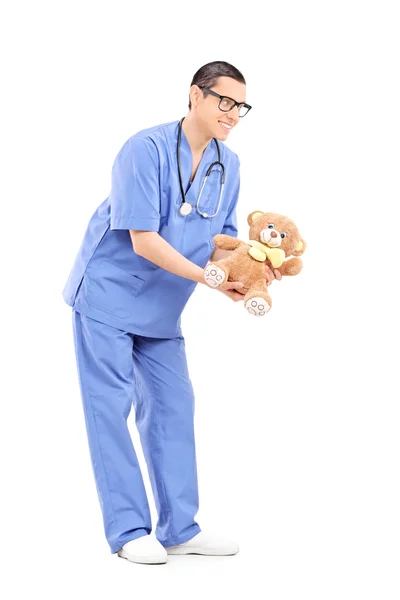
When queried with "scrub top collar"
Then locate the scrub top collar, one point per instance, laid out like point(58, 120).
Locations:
point(186, 157)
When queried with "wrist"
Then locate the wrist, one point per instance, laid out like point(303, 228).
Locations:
point(199, 276)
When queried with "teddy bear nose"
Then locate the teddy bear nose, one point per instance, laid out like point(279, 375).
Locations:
point(274, 234)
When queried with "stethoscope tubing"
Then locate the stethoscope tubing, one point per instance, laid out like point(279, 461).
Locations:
point(217, 162)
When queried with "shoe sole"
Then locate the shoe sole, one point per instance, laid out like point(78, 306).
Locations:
point(204, 552)
point(146, 560)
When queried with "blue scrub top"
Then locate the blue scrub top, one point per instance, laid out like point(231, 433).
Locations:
point(112, 284)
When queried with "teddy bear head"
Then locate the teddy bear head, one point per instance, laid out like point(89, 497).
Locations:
point(276, 231)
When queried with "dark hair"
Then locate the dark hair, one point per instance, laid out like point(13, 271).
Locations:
point(208, 74)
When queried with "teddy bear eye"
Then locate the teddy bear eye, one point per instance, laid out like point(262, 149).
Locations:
point(270, 225)
point(283, 235)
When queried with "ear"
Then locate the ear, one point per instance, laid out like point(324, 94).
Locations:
point(300, 248)
point(252, 216)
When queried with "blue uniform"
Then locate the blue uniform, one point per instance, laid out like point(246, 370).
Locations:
point(112, 284)
point(127, 331)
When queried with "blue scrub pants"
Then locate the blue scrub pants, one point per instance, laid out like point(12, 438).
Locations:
point(118, 369)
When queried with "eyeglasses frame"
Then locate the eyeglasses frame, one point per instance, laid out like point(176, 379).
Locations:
point(238, 104)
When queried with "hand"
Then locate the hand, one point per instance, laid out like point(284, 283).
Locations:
point(228, 288)
point(271, 275)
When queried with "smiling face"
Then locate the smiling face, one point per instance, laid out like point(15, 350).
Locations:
point(213, 119)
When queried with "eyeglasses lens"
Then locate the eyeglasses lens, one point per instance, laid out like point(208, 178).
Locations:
point(226, 105)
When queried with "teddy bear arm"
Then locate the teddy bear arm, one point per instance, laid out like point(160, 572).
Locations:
point(226, 242)
point(292, 266)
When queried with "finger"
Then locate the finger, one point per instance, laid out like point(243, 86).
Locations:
point(278, 274)
point(268, 271)
point(237, 297)
point(234, 284)
point(269, 274)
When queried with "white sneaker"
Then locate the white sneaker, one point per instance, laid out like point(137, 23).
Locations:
point(145, 549)
point(205, 543)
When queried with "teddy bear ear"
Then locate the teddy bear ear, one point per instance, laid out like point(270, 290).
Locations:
point(252, 216)
point(300, 248)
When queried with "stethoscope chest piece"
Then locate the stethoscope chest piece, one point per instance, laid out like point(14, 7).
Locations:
point(185, 209)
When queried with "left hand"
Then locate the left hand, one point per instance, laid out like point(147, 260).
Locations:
point(271, 275)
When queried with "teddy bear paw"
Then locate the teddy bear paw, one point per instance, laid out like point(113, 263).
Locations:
point(257, 306)
point(214, 276)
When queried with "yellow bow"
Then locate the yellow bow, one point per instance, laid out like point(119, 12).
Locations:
point(261, 252)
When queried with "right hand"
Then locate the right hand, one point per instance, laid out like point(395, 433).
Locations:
point(229, 289)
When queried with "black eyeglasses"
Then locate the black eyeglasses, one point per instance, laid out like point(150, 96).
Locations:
point(226, 103)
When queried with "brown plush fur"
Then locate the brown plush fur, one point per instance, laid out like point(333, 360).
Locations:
point(241, 266)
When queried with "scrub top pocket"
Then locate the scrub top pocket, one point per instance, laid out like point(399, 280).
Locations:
point(112, 289)
point(209, 199)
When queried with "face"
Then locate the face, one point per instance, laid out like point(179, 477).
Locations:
point(208, 113)
point(276, 231)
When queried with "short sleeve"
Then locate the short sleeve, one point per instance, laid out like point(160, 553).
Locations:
point(230, 226)
point(135, 189)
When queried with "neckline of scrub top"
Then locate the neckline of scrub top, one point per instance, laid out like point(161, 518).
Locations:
point(185, 154)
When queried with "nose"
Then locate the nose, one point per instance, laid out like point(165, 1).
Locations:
point(274, 234)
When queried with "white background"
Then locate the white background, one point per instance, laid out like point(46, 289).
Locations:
point(297, 413)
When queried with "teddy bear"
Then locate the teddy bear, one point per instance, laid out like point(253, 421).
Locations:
point(272, 238)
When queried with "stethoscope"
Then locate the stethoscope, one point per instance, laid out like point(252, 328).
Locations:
point(186, 207)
